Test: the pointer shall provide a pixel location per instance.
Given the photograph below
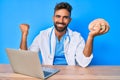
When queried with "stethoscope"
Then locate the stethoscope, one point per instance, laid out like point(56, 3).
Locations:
point(50, 46)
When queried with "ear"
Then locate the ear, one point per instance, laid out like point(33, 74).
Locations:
point(70, 19)
point(53, 17)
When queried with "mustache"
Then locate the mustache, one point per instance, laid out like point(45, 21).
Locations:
point(60, 23)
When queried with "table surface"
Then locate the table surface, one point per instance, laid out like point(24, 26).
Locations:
point(67, 73)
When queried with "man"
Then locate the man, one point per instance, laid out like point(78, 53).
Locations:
point(61, 46)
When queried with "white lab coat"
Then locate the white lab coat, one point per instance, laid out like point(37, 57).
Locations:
point(73, 47)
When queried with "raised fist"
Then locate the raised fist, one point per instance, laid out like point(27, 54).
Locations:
point(24, 28)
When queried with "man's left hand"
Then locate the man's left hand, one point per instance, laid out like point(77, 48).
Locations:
point(98, 27)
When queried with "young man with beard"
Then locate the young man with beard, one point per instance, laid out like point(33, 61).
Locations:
point(61, 46)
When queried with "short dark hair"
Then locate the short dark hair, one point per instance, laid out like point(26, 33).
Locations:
point(63, 5)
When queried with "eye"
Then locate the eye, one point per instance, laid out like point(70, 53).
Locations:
point(66, 17)
point(57, 16)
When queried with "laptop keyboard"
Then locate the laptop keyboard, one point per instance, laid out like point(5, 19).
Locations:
point(46, 73)
point(49, 71)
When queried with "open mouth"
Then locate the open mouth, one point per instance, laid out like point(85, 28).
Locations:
point(60, 25)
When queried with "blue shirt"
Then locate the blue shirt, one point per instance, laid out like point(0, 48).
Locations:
point(59, 58)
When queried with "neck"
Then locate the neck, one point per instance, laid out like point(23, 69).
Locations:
point(59, 34)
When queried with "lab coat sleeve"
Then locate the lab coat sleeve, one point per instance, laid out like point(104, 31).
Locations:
point(81, 59)
point(35, 44)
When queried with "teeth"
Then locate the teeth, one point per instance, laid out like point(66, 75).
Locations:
point(60, 24)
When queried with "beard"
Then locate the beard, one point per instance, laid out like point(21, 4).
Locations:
point(60, 29)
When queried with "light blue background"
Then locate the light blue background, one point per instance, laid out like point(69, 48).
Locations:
point(38, 14)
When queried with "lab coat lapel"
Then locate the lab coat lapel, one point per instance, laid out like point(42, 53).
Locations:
point(53, 43)
point(69, 52)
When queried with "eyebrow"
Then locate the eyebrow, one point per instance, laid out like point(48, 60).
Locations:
point(63, 16)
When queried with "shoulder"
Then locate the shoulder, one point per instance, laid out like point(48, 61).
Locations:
point(44, 33)
point(75, 35)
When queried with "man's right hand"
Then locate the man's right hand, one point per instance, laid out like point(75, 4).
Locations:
point(24, 28)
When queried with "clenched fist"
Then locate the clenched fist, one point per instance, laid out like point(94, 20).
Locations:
point(98, 27)
point(24, 28)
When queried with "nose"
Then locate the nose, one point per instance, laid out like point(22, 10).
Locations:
point(61, 20)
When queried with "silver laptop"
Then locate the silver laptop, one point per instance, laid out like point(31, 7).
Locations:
point(28, 63)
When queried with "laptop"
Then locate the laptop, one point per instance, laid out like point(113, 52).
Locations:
point(28, 63)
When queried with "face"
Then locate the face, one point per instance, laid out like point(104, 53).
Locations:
point(61, 20)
